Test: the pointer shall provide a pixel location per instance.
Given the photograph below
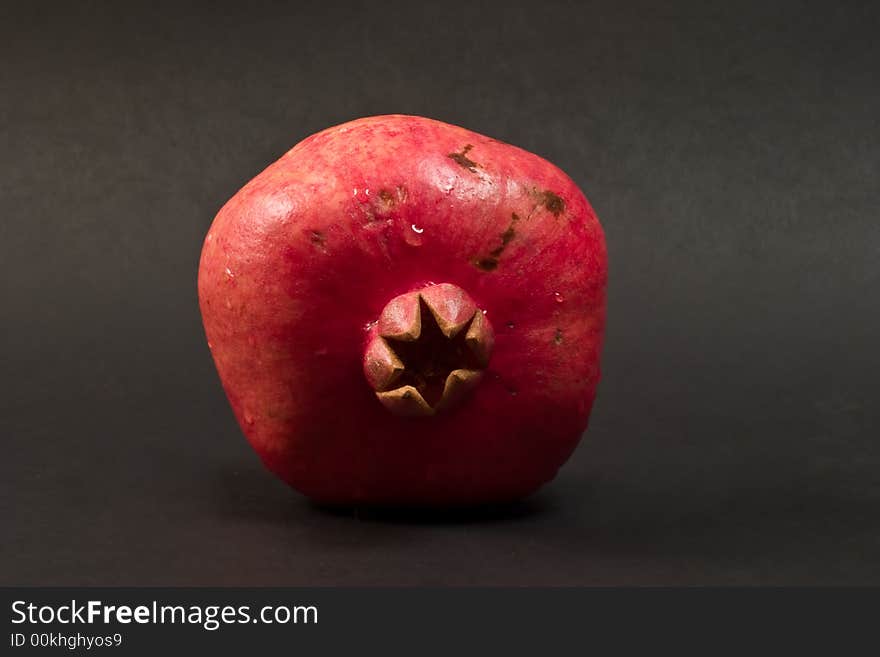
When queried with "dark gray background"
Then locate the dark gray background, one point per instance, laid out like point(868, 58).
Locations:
point(731, 152)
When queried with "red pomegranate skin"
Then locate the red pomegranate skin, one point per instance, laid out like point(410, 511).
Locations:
point(297, 267)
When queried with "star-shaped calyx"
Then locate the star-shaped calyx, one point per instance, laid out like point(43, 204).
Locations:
point(427, 350)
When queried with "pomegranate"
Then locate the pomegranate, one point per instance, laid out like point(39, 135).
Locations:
point(404, 312)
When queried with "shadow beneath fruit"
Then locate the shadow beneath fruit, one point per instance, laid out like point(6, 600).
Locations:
point(482, 514)
point(721, 527)
point(254, 495)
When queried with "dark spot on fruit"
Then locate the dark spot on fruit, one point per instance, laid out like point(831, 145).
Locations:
point(387, 197)
point(318, 239)
point(494, 253)
point(506, 237)
point(553, 202)
point(491, 261)
point(462, 160)
point(486, 264)
point(557, 339)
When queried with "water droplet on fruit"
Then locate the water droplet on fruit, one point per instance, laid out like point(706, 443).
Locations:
point(559, 298)
point(354, 192)
point(367, 191)
point(413, 236)
point(210, 345)
point(485, 312)
point(510, 325)
point(248, 418)
point(369, 325)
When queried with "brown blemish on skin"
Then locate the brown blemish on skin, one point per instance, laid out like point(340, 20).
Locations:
point(318, 239)
point(486, 264)
point(553, 202)
point(490, 262)
point(506, 236)
point(462, 160)
point(388, 199)
point(557, 339)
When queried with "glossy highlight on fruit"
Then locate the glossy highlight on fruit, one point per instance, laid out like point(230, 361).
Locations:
point(405, 312)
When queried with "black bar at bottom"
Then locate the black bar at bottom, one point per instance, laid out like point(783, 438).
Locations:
point(452, 621)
